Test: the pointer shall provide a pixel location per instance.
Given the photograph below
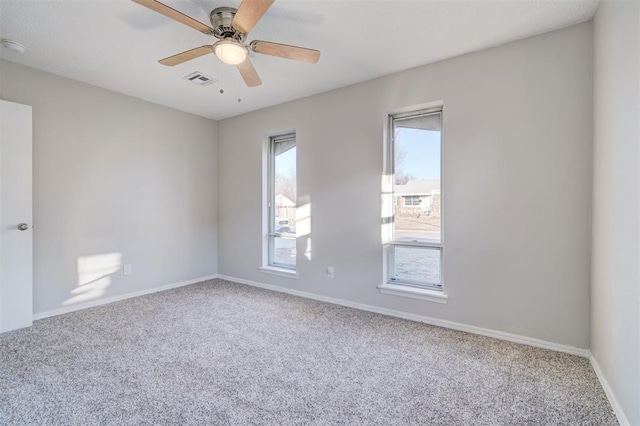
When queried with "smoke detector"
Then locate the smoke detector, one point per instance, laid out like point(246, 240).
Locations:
point(14, 46)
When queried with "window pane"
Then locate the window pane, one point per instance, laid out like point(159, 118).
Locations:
point(284, 252)
point(417, 264)
point(417, 188)
point(285, 190)
point(283, 201)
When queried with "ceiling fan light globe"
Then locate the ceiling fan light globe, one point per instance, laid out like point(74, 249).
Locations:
point(230, 52)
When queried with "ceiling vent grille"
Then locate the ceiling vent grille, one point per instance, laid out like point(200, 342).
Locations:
point(199, 79)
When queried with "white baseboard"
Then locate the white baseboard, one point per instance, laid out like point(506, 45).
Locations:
point(421, 318)
point(112, 299)
point(617, 408)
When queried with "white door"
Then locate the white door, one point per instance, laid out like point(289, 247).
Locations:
point(16, 235)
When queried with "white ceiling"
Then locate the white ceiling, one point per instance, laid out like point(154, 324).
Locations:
point(115, 44)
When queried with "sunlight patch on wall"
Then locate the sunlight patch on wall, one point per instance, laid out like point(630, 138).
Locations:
point(94, 276)
point(307, 250)
point(386, 204)
point(303, 225)
point(303, 220)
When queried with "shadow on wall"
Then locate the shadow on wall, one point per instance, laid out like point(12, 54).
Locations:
point(94, 276)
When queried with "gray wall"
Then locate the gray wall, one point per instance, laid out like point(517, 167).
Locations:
point(114, 174)
point(615, 315)
point(517, 177)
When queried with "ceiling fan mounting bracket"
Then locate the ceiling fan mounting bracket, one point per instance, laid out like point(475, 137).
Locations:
point(221, 21)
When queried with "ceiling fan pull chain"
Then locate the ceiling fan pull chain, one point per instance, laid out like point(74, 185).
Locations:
point(238, 89)
point(221, 78)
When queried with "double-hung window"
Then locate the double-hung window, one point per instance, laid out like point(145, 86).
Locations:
point(281, 201)
point(414, 254)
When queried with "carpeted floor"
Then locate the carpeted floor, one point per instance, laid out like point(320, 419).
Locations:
point(223, 353)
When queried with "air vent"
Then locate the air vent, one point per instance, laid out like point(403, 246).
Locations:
point(199, 79)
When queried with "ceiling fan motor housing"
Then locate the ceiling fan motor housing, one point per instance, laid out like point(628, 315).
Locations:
point(221, 21)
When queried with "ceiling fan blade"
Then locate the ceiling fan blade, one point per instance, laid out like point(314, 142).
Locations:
point(303, 54)
point(249, 73)
point(185, 56)
point(249, 13)
point(170, 12)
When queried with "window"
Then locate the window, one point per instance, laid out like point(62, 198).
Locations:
point(414, 252)
point(282, 201)
point(411, 200)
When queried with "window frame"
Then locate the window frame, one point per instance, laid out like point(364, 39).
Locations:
point(271, 200)
point(390, 246)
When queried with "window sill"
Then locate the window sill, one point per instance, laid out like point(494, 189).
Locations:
point(414, 292)
point(281, 272)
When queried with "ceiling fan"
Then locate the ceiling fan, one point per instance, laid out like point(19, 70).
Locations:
point(231, 26)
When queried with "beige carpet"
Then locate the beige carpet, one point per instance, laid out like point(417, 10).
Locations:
point(223, 353)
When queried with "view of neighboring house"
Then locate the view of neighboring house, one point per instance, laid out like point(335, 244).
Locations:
point(282, 201)
point(285, 208)
point(418, 196)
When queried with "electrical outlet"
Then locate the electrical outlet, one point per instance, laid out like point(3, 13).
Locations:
point(126, 270)
point(330, 272)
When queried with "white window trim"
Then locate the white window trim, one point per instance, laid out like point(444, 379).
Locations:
point(431, 295)
point(268, 266)
point(397, 287)
point(281, 272)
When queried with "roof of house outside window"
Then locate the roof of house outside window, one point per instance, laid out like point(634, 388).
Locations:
point(418, 187)
point(282, 201)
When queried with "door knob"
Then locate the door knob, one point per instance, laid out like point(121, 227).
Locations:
point(23, 226)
